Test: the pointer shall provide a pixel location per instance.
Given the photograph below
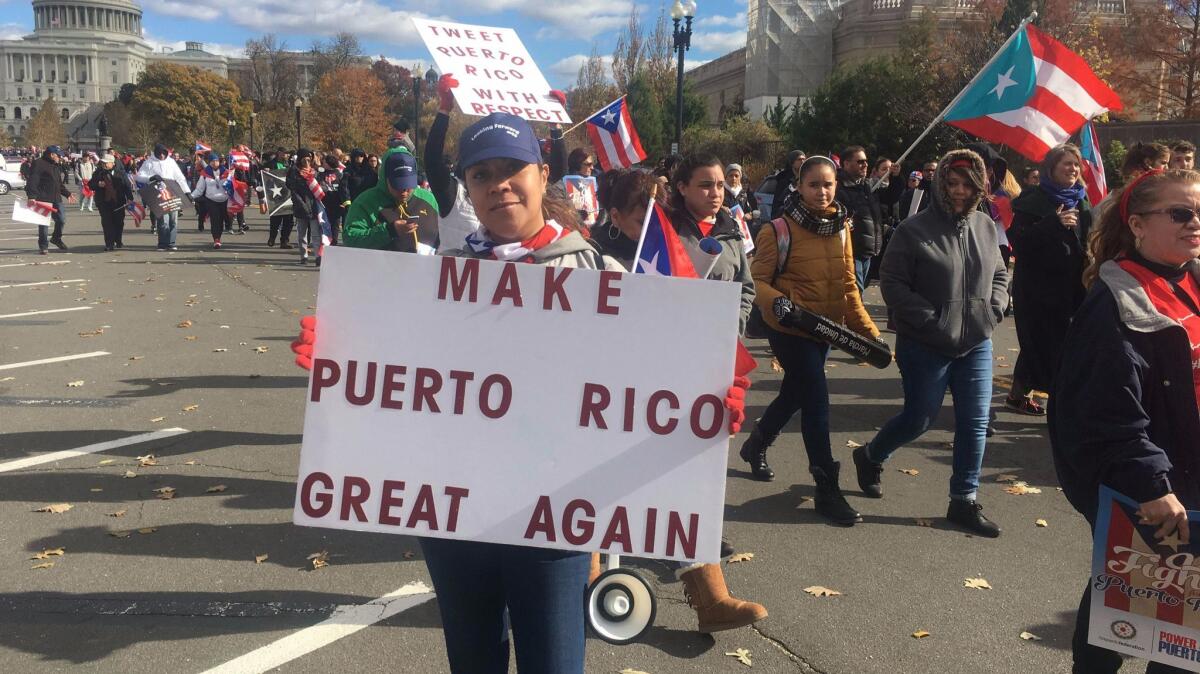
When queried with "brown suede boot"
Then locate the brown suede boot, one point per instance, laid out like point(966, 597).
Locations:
point(715, 609)
point(594, 572)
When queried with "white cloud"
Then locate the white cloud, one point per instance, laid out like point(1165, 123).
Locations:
point(737, 20)
point(13, 31)
point(235, 50)
point(185, 10)
point(689, 64)
point(720, 43)
point(567, 69)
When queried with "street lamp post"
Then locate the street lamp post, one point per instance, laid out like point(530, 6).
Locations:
point(232, 125)
point(431, 79)
point(252, 116)
point(299, 103)
point(682, 40)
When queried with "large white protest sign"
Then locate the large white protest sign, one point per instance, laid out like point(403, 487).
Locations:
point(22, 213)
point(495, 72)
point(521, 404)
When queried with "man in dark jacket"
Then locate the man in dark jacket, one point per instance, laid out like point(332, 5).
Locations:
point(304, 204)
point(46, 184)
point(862, 206)
point(358, 176)
point(784, 180)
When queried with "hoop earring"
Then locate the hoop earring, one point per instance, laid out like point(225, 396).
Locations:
point(613, 232)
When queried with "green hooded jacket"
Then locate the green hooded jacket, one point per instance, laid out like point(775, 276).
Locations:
point(364, 226)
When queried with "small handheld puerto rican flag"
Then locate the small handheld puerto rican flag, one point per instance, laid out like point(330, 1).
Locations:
point(1093, 164)
point(201, 147)
point(612, 133)
point(740, 216)
point(138, 212)
point(660, 251)
point(240, 160)
point(322, 216)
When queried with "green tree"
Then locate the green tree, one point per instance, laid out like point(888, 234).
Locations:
point(184, 104)
point(647, 114)
point(46, 127)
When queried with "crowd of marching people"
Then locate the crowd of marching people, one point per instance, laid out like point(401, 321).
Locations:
point(956, 244)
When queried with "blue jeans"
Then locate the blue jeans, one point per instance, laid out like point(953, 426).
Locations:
point(862, 266)
point(543, 591)
point(44, 235)
point(926, 375)
point(803, 390)
point(168, 224)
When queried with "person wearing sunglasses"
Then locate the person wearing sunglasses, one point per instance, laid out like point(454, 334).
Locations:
point(1124, 410)
point(580, 163)
point(1047, 234)
point(863, 206)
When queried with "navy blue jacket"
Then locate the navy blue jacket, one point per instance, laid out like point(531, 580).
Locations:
point(1124, 410)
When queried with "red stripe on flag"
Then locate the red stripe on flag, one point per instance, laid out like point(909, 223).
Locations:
point(1017, 138)
point(1047, 48)
point(1055, 108)
point(601, 154)
point(619, 147)
point(1120, 532)
point(634, 140)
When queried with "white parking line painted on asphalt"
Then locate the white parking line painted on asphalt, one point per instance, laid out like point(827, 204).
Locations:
point(18, 238)
point(33, 264)
point(45, 283)
point(345, 621)
point(56, 359)
point(43, 311)
point(18, 464)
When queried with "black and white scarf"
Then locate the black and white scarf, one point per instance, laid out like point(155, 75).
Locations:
point(819, 224)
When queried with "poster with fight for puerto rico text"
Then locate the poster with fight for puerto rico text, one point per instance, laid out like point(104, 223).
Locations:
point(495, 72)
point(450, 398)
point(1145, 591)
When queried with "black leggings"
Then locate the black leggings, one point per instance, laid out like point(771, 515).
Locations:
point(112, 220)
point(218, 217)
point(803, 390)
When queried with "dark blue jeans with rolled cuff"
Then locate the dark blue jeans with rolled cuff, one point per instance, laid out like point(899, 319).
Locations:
point(803, 390)
point(542, 590)
point(926, 375)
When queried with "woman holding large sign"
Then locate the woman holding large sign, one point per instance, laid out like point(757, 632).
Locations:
point(1124, 409)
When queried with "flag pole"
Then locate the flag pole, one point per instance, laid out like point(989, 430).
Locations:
point(942, 115)
point(589, 117)
point(637, 255)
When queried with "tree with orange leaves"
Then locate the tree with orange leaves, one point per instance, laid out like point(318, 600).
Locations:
point(349, 109)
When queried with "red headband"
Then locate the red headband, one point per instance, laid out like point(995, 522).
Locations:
point(1129, 192)
point(962, 163)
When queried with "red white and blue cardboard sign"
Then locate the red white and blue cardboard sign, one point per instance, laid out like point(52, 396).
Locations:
point(485, 431)
point(1145, 591)
point(740, 217)
point(581, 191)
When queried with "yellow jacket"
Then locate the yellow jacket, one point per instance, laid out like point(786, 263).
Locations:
point(819, 276)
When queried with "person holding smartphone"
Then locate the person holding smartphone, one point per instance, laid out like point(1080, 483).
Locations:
point(1048, 236)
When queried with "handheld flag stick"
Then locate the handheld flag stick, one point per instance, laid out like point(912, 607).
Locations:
point(589, 117)
point(645, 223)
point(941, 115)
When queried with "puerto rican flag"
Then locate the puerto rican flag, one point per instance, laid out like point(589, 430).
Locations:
point(138, 212)
point(660, 251)
point(237, 194)
point(614, 137)
point(322, 216)
point(1034, 95)
point(740, 216)
point(240, 160)
point(201, 147)
point(1093, 164)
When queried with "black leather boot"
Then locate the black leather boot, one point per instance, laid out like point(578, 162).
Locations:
point(870, 474)
point(829, 501)
point(754, 452)
point(969, 515)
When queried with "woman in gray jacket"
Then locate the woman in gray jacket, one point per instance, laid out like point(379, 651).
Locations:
point(945, 285)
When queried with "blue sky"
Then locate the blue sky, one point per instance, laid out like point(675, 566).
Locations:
point(558, 34)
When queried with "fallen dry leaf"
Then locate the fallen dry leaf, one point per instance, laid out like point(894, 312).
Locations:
point(853, 445)
point(155, 420)
point(43, 565)
point(130, 473)
point(92, 333)
point(147, 460)
point(215, 489)
point(190, 463)
point(95, 489)
point(1007, 477)
point(1030, 636)
point(977, 584)
point(56, 508)
point(259, 559)
point(920, 634)
point(191, 408)
point(261, 349)
point(119, 513)
point(220, 350)
point(8, 379)
point(910, 471)
point(105, 462)
point(775, 365)
point(120, 534)
point(742, 655)
point(165, 493)
point(1041, 523)
point(1020, 488)
point(189, 338)
point(147, 530)
point(821, 591)
point(136, 357)
point(741, 557)
point(49, 552)
point(924, 522)
point(75, 384)
point(184, 324)
point(409, 554)
point(319, 559)
point(627, 670)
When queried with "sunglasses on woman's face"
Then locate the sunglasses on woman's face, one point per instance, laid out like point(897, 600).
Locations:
point(1179, 214)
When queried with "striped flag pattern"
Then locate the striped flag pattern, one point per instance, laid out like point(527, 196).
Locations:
point(1034, 96)
point(613, 135)
point(1093, 164)
point(240, 160)
point(201, 147)
point(138, 212)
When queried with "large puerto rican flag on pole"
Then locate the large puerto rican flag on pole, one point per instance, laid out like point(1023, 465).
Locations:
point(1035, 94)
point(612, 133)
point(1093, 163)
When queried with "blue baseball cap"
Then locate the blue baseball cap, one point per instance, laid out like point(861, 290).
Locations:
point(400, 169)
point(499, 135)
point(213, 156)
point(54, 149)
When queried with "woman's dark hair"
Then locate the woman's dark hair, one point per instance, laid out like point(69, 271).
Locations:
point(625, 189)
point(331, 160)
point(684, 170)
point(576, 158)
point(812, 163)
point(372, 156)
point(1141, 158)
point(1027, 171)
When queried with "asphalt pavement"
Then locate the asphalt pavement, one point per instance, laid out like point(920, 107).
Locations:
point(182, 359)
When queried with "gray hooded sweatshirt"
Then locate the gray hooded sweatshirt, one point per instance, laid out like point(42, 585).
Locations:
point(942, 276)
